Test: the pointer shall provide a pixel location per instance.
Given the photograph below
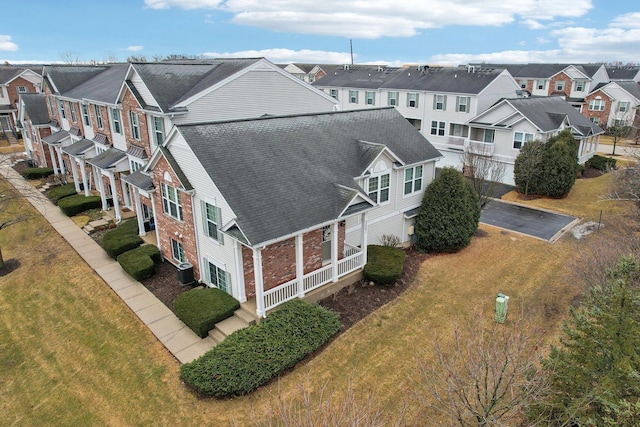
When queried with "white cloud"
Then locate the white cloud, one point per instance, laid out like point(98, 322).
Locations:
point(382, 18)
point(507, 56)
point(288, 55)
point(135, 48)
point(629, 20)
point(532, 24)
point(6, 44)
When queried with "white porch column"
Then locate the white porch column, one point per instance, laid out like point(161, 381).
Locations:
point(300, 264)
point(114, 194)
point(334, 251)
point(363, 237)
point(136, 198)
point(259, 284)
point(59, 153)
point(97, 175)
point(85, 182)
point(155, 220)
point(242, 292)
point(54, 161)
point(74, 172)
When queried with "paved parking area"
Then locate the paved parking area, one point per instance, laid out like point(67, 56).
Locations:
point(532, 222)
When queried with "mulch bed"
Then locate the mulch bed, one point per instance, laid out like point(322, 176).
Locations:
point(164, 284)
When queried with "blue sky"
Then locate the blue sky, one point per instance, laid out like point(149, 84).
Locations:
point(396, 32)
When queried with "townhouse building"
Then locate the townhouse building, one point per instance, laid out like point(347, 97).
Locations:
point(34, 122)
point(15, 81)
point(614, 103)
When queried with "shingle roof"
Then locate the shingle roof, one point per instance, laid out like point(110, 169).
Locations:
point(79, 147)
point(176, 168)
point(36, 107)
point(623, 73)
point(137, 151)
point(170, 83)
point(56, 138)
point(103, 87)
point(8, 72)
point(541, 71)
point(284, 174)
point(140, 180)
point(108, 159)
point(548, 113)
point(632, 87)
point(434, 79)
point(67, 77)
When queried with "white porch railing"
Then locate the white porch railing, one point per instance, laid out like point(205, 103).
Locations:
point(455, 140)
point(310, 281)
point(479, 147)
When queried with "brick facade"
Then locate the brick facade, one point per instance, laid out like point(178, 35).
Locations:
point(279, 260)
point(14, 94)
point(567, 85)
point(130, 103)
point(106, 126)
point(170, 228)
point(602, 116)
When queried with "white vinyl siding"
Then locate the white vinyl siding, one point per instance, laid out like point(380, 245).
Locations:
point(171, 202)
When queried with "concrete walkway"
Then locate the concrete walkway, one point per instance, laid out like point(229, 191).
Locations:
point(181, 341)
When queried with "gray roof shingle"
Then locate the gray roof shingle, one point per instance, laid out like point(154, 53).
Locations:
point(56, 138)
point(140, 180)
point(36, 108)
point(632, 87)
point(284, 174)
point(67, 77)
point(79, 147)
point(108, 159)
point(103, 87)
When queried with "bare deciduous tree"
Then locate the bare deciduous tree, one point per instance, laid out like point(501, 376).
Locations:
point(484, 172)
point(486, 377)
point(70, 57)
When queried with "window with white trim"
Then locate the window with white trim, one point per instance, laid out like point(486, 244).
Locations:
point(594, 120)
point(171, 202)
point(85, 115)
point(413, 180)
point(437, 128)
point(412, 99)
point(541, 84)
point(135, 165)
point(353, 97)
point(579, 86)
point(334, 93)
point(393, 98)
point(463, 104)
point(379, 188)
point(72, 111)
point(22, 89)
point(100, 148)
point(211, 216)
point(98, 112)
point(63, 113)
point(523, 84)
point(519, 139)
point(115, 121)
point(158, 130)
point(370, 97)
point(177, 251)
point(135, 125)
point(440, 102)
point(218, 277)
point(560, 85)
point(489, 136)
point(623, 106)
point(596, 105)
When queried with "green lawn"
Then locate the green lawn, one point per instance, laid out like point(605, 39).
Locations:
point(71, 353)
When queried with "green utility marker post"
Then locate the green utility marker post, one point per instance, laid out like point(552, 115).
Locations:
point(501, 307)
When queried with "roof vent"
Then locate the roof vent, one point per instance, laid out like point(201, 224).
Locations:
point(471, 69)
point(380, 68)
point(346, 67)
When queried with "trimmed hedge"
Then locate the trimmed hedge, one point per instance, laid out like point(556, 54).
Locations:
point(140, 263)
point(73, 205)
point(384, 264)
point(601, 163)
point(121, 239)
point(36, 173)
point(201, 309)
point(57, 193)
point(251, 357)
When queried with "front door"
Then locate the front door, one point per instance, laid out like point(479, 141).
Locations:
point(326, 244)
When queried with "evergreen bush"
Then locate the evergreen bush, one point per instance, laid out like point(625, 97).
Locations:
point(60, 192)
point(73, 205)
point(384, 264)
point(201, 309)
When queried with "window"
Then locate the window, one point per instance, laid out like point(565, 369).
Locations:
point(134, 166)
point(334, 93)
point(579, 86)
point(523, 84)
point(177, 251)
point(412, 100)
point(596, 105)
point(22, 89)
point(98, 112)
point(560, 85)
point(218, 277)
point(489, 136)
point(595, 120)
point(412, 180)
point(115, 120)
point(371, 97)
point(211, 216)
point(440, 102)
point(379, 188)
point(623, 106)
point(463, 104)
point(135, 125)
point(100, 149)
point(72, 111)
point(52, 107)
point(158, 130)
point(541, 84)
point(1, 92)
point(393, 98)
point(85, 115)
point(171, 202)
point(437, 128)
point(519, 138)
point(353, 97)
point(63, 113)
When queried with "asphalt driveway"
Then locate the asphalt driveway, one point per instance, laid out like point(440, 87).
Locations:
point(533, 222)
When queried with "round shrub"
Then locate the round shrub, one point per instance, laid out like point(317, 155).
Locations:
point(449, 214)
point(201, 309)
point(73, 205)
point(60, 192)
point(37, 173)
point(384, 264)
point(137, 264)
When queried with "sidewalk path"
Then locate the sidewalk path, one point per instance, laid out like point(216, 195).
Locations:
point(181, 341)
